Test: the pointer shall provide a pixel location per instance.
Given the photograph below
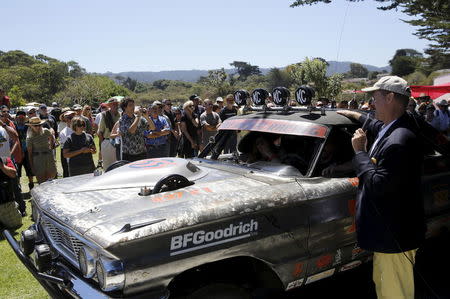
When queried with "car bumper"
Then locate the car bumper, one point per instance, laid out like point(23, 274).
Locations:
point(66, 283)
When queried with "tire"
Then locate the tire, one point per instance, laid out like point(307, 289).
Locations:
point(220, 291)
point(116, 165)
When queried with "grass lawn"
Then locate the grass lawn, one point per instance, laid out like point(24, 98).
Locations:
point(15, 280)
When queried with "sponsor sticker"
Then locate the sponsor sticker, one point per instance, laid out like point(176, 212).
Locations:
point(152, 163)
point(294, 284)
point(298, 270)
point(322, 275)
point(203, 239)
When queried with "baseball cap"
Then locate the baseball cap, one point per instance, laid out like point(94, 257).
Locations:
point(391, 83)
point(54, 104)
point(112, 100)
point(219, 99)
point(43, 106)
point(21, 112)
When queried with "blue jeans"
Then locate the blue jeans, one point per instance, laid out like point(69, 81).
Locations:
point(158, 151)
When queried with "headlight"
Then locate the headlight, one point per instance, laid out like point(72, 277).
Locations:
point(110, 274)
point(87, 260)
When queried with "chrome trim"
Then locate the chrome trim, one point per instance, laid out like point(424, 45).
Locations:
point(90, 259)
point(113, 274)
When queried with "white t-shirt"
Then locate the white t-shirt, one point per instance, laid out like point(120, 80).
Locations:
point(5, 150)
point(98, 119)
point(64, 134)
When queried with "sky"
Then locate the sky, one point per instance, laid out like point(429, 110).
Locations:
point(155, 35)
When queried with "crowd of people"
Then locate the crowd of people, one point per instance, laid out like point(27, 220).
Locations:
point(128, 132)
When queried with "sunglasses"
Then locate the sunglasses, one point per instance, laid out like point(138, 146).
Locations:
point(81, 125)
point(5, 111)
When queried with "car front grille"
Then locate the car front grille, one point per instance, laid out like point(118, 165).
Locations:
point(63, 241)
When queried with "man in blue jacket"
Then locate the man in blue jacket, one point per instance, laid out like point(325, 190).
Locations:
point(390, 213)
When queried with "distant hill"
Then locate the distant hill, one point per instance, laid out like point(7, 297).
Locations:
point(194, 75)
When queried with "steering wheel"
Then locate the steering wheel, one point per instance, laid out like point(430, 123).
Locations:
point(171, 182)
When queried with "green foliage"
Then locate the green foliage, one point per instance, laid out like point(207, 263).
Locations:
point(334, 86)
point(417, 78)
point(405, 61)
point(44, 79)
point(315, 74)
point(245, 69)
point(216, 83)
point(89, 89)
point(357, 70)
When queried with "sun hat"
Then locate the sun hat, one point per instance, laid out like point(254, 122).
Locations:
point(391, 83)
point(66, 113)
point(443, 103)
point(35, 121)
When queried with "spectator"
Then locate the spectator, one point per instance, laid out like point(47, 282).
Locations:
point(389, 176)
point(343, 104)
point(353, 104)
point(442, 117)
point(216, 108)
point(15, 146)
point(209, 121)
point(157, 139)
point(177, 128)
point(31, 113)
point(10, 217)
point(50, 120)
point(430, 118)
point(333, 104)
point(40, 142)
point(87, 112)
point(66, 117)
point(422, 110)
point(79, 111)
point(116, 139)
point(79, 148)
point(22, 129)
point(103, 108)
point(56, 113)
point(132, 129)
point(173, 137)
point(188, 125)
point(219, 102)
point(198, 110)
point(4, 99)
point(227, 112)
point(412, 106)
point(109, 117)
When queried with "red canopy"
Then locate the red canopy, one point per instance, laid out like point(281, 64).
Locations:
point(433, 91)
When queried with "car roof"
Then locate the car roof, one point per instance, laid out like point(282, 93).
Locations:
point(330, 118)
point(299, 123)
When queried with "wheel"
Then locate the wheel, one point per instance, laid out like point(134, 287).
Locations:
point(116, 165)
point(171, 182)
point(220, 291)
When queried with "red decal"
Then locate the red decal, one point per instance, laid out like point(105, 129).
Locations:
point(206, 189)
point(354, 181)
point(194, 191)
point(298, 270)
point(324, 261)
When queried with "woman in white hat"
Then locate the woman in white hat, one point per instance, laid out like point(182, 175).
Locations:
point(40, 143)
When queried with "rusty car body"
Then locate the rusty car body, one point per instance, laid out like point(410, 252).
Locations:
point(168, 226)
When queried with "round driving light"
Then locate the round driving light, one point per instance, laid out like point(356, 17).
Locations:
point(259, 96)
point(304, 95)
point(281, 95)
point(43, 257)
point(86, 261)
point(240, 97)
point(110, 274)
point(27, 241)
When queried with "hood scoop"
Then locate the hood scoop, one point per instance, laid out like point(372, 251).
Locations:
point(142, 173)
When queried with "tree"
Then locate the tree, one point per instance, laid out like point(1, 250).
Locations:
point(315, 72)
point(276, 78)
point(217, 82)
point(245, 69)
point(334, 86)
point(357, 70)
point(431, 22)
point(405, 61)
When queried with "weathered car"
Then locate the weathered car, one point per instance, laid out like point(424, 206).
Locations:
point(217, 224)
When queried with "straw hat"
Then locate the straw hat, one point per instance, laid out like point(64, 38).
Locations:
point(35, 121)
point(66, 113)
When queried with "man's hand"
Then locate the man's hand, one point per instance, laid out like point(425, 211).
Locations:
point(359, 141)
point(350, 114)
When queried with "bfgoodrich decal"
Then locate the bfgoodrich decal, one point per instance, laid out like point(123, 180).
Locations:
point(202, 239)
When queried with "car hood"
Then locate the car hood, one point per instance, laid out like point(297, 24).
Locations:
point(108, 209)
